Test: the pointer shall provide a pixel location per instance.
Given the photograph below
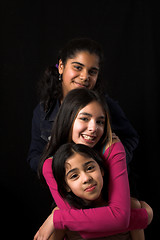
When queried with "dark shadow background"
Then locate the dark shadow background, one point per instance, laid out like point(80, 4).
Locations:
point(31, 34)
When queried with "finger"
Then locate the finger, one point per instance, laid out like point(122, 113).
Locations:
point(36, 236)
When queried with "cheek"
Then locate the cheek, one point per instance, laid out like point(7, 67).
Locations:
point(100, 180)
point(77, 129)
point(66, 80)
point(74, 132)
point(100, 132)
point(74, 187)
point(68, 74)
point(93, 81)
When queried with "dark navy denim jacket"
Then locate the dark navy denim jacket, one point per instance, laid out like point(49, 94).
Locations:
point(42, 124)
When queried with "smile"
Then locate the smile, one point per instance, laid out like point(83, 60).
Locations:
point(81, 85)
point(87, 137)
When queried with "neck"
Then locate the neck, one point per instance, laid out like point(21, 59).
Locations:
point(100, 202)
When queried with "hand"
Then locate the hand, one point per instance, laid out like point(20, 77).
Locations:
point(149, 211)
point(46, 229)
point(141, 204)
point(115, 138)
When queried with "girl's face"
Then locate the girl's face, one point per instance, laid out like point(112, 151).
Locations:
point(84, 178)
point(88, 126)
point(80, 71)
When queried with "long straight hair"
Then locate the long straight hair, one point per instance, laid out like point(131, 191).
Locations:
point(58, 167)
point(62, 128)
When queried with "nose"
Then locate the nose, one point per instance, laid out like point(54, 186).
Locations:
point(84, 75)
point(86, 178)
point(92, 126)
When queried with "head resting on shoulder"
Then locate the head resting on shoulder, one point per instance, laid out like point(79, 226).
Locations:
point(72, 104)
point(61, 132)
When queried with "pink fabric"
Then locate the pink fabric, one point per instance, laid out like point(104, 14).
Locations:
point(103, 221)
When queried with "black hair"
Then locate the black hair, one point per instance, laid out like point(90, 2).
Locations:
point(49, 86)
point(62, 128)
point(58, 167)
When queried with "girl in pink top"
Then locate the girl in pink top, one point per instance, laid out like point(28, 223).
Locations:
point(83, 118)
point(82, 181)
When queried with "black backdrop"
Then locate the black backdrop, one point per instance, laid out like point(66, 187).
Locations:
point(31, 34)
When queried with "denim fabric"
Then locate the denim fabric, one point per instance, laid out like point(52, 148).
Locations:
point(42, 124)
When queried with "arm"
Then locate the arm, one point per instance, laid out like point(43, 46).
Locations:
point(148, 209)
point(116, 215)
point(136, 234)
point(37, 143)
point(48, 232)
point(52, 184)
point(139, 234)
point(107, 220)
point(123, 128)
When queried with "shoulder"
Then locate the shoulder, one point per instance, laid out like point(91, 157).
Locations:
point(115, 149)
point(114, 107)
point(110, 101)
point(38, 110)
point(117, 146)
point(115, 139)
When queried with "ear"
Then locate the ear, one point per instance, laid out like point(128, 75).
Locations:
point(102, 172)
point(68, 188)
point(60, 67)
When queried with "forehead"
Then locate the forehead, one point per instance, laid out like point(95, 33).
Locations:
point(93, 108)
point(77, 160)
point(85, 58)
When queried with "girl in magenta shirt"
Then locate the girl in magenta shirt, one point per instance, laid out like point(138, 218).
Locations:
point(85, 106)
point(82, 181)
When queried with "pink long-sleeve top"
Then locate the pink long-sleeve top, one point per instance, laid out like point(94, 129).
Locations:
point(114, 218)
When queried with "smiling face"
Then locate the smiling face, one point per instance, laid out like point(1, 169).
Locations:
point(84, 178)
point(88, 126)
point(80, 71)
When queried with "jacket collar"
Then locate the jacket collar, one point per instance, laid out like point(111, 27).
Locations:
point(52, 112)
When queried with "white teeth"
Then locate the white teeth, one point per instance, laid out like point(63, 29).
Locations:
point(88, 137)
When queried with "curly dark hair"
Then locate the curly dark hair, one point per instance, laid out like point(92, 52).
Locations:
point(49, 86)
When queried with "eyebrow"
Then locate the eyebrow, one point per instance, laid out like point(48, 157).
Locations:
point(70, 171)
point(81, 64)
point(74, 169)
point(90, 115)
point(87, 163)
point(78, 63)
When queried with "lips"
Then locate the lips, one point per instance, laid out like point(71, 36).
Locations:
point(90, 188)
point(88, 137)
point(81, 85)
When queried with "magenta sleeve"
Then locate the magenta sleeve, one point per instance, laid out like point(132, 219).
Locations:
point(52, 184)
point(104, 221)
point(82, 220)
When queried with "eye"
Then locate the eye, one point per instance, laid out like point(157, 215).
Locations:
point(93, 72)
point(74, 176)
point(90, 168)
point(85, 119)
point(100, 122)
point(77, 67)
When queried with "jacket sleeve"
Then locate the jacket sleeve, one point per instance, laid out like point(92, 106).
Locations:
point(37, 143)
point(123, 128)
point(103, 221)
